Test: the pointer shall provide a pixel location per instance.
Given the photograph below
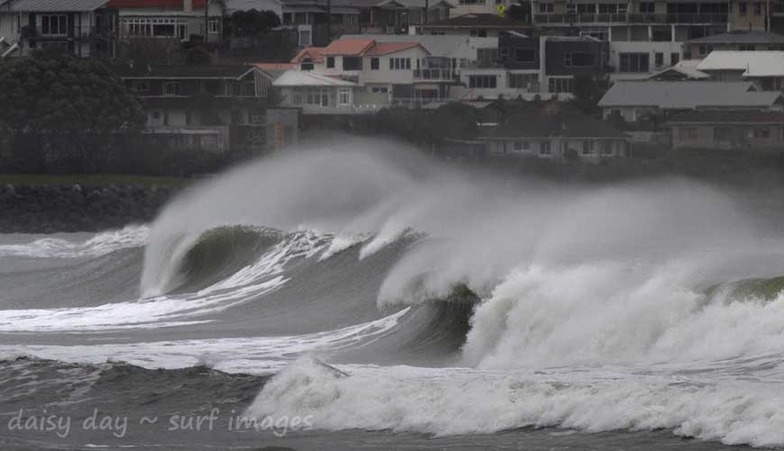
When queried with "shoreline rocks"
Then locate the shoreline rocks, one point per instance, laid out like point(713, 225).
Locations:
point(52, 208)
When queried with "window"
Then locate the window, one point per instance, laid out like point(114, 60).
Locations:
point(311, 96)
point(705, 49)
point(574, 59)
point(374, 63)
point(525, 55)
point(544, 149)
point(586, 8)
point(213, 26)
point(587, 149)
point(305, 38)
point(607, 148)
point(54, 25)
point(521, 80)
point(722, 134)
point(306, 64)
point(546, 8)
point(608, 8)
point(352, 63)
point(623, 8)
point(742, 8)
point(762, 132)
point(747, 47)
point(758, 9)
point(482, 81)
point(635, 62)
point(478, 32)
point(172, 88)
point(647, 7)
point(330, 62)
point(658, 58)
point(674, 58)
point(560, 85)
point(344, 96)
point(379, 89)
point(521, 145)
point(400, 63)
point(487, 56)
point(155, 27)
point(687, 133)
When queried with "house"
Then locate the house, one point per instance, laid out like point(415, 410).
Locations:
point(176, 20)
point(398, 16)
point(764, 67)
point(742, 130)
point(317, 94)
point(212, 108)
point(477, 25)
point(633, 100)
point(739, 40)
point(318, 21)
point(86, 28)
point(552, 131)
point(466, 7)
point(684, 70)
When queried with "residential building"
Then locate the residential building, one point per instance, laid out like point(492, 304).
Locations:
point(86, 28)
point(551, 131)
point(475, 25)
point(179, 20)
point(318, 21)
point(465, 7)
point(745, 40)
point(213, 108)
point(684, 70)
point(741, 130)
point(317, 94)
point(764, 67)
point(634, 100)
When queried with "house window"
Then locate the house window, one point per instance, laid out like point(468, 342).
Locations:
point(374, 63)
point(213, 26)
point(400, 63)
point(560, 85)
point(518, 81)
point(742, 8)
point(305, 38)
point(586, 8)
point(722, 134)
point(352, 63)
point(525, 55)
point(306, 64)
point(344, 96)
point(608, 8)
point(54, 25)
point(705, 49)
point(762, 132)
point(586, 149)
point(647, 7)
point(758, 9)
point(141, 87)
point(330, 62)
point(546, 8)
point(674, 58)
point(544, 149)
point(687, 133)
point(478, 32)
point(521, 145)
point(607, 148)
point(658, 59)
point(311, 96)
point(747, 47)
point(172, 88)
point(482, 81)
point(575, 59)
point(635, 62)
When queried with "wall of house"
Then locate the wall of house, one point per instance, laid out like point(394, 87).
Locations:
point(555, 52)
point(8, 27)
point(475, 7)
point(588, 149)
point(751, 20)
point(726, 75)
point(651, 48)
point(738, 137)
point(392, 76)
point(508, 44)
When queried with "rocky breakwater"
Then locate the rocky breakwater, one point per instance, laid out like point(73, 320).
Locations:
point(49, 208)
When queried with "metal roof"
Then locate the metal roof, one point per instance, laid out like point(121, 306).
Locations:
point(687, 95)
point(741, 37)
point(53, 5)
point(753, 64)
point(292, 78)
point(687, 68)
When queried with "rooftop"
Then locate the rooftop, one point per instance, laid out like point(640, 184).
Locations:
point(305, 78)
point(684, 68)
point(385, 48)
point(546, 121)
point(741, 37)
point(687, 95)
point(753, 64)
point(316, 54)
point(350, 47)
point(159, 4)
point(52, 5)
point(442, 45)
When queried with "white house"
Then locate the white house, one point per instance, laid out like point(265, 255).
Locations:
point(766, 68)
point(321, 94)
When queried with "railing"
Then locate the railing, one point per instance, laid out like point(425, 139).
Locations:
point(631, 18)
point(435, 74)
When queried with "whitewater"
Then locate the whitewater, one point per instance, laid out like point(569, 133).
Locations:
point(377, 291)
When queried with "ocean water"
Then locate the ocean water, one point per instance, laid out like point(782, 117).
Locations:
point(341, 298)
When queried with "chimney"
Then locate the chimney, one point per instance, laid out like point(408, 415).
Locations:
point(187, 5)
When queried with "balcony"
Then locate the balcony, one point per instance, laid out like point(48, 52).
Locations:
point(437, 74)
point(640, 19)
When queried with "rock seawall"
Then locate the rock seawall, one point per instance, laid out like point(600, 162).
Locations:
point(50, 208)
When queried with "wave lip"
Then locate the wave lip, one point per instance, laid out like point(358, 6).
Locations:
point(101, 244)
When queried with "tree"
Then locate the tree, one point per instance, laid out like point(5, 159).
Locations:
point(588, 90)
point(252, 23)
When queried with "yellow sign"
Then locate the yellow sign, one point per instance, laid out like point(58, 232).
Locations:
point(501, 9)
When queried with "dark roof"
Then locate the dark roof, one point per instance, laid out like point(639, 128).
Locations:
point(550, 120)
point(174, 72)
point(476, 21)
point(728, 116)
point(741, 37)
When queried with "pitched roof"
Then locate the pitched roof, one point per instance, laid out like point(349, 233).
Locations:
point(728, 117)
point(687, 94)
point(437, 45)
point(685, 68)
point(316, 54)
point(741, 37)
point(171, 72)
point(421, 3)
point(275, 66)
point(476, 21)
point(537, 122)
point(385, 48)
point(753, 64)
point(53, 5)
point(384, 4)
point(293, 78)
point(160, 4)
point(350, 47)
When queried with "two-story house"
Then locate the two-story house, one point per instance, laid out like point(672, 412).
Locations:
point(180, 20)
point(213, 108)
point(86, 28)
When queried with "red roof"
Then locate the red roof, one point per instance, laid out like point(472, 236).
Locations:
point(352, 47)
point(160, 4)
point(384, 48)
point(316, 54)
